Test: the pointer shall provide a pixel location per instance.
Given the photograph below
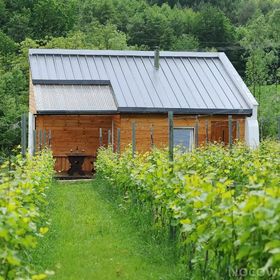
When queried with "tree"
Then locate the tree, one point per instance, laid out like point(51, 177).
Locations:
point(214, 29)
point(107, 36)
point(18, 27)
point(7, 45)
point(181, 21)
point(53, 17)
point(186, 42)
point(96, 10)
point(13, 102)
point(255, 40)
point(150, 28)
point(98, 37)
point(2, 12)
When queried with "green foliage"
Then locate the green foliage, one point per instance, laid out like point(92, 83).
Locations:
point(221, 206)
point(7, 45)
point(22, 219)
point(186, 42)
point(269, 111)
point(260, 38)
point(214, 29)
point(53, 17)
point(150, 28)
point(18, 26)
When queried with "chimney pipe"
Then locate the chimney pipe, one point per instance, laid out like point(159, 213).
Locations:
point(156, 58)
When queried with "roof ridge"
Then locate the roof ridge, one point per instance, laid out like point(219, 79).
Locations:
point(84, 52)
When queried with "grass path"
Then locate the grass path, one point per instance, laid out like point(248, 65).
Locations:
point(90, 239)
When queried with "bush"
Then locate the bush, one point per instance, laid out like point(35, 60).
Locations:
point(22, 206)
point(221, 206)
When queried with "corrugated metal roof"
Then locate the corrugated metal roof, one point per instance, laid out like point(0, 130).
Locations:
point(74, 98)
point(186, 82)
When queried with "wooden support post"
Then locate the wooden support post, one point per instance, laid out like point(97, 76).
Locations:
point(109, 137)
point(100, 137)
point(230, 131)
point(23, 134)
point(152, 136)
point(206, 131)
point(170, 135)
point(118, 140)
point(238, 130)
point(133, 138)
point(196, 131)
point(34, 142)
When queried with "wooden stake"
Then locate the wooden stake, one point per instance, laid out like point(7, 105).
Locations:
point(230, 131)
point(170, 135)
point(133, 138)
point(109, 137)
point(118, 140)
point(196, 131)
point(152, 136)
point(100, 137)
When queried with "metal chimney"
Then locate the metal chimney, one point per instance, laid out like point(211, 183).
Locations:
point(156, 58)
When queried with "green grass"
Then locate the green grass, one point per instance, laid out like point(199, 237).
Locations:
point(90, 237)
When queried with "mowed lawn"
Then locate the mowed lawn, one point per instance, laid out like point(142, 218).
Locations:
point(90, 238)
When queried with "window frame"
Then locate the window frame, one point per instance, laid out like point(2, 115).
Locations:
point(191, 147)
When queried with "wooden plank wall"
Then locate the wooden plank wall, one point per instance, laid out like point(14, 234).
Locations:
point(160, 128)
point(32, 105)
point(72, 132)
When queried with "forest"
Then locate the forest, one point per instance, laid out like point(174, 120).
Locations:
point(246, 30)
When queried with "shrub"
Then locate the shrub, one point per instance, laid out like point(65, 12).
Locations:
point(22, 219)
point(221, 206)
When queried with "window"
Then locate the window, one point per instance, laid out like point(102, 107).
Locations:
point(184, 137)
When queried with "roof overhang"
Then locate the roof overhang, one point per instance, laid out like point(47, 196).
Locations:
point(77, 112)
point(186, 111)
point(245, 112)
point(71, 82)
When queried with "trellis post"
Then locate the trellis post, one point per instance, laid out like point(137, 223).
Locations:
point(100, 137)
point(152, 136)
point(34, 142)
point(170, 135)
point(133, 138)
point(206, 131)
point(238, 130)
point(109, 137)
point(230, 131)
point(118, 140)
point(40, 139)
point(196, 131)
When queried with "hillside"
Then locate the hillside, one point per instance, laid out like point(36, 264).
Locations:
point(248, 31)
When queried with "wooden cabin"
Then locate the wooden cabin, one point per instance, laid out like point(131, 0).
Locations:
point(83, 99)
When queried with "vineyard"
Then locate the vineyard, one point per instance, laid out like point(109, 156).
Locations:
point(23, 184)
point(220, 207)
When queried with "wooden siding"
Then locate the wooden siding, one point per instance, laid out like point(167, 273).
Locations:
point(72, 132)
point(32, 104)
point(69, 132)
point(160, 128)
